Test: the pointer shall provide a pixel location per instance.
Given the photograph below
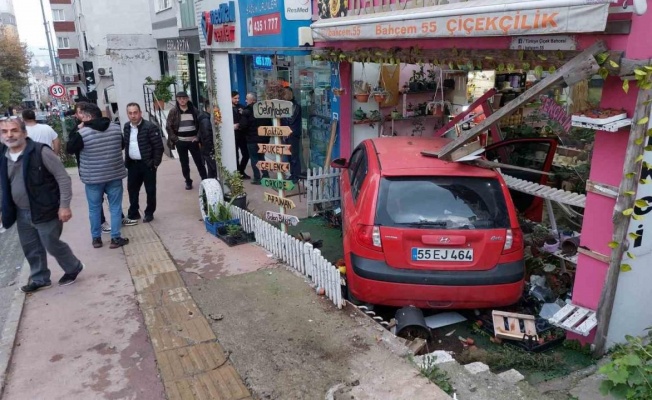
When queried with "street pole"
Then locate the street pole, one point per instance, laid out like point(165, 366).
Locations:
point(55, 70)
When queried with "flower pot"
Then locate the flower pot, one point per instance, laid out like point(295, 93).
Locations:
point(414, 86)
point(240, 202)
point(338, 91)
point(159, 105)
point(431, 86)
point(380, 97)
point(213, 227)
point(396, 115)
point(551, 245)
point(362, 97)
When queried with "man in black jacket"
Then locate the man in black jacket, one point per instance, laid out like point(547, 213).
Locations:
point(294, 140)
point(206, 141)
point(143, 146)
point(240, 137)
point(249, 124)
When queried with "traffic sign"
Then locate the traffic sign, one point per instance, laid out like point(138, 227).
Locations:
point(57, 90)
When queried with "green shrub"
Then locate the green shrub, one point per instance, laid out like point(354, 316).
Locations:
point(629, 374)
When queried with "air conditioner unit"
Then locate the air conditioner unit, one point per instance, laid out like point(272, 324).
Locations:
point(67, 79)
point(104, 71)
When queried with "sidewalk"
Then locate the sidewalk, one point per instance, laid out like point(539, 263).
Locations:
point(224, 323)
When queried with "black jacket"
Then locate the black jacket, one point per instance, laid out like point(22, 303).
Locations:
point(294, 122)
point(205, 133)
point(249, 125)
point(237, 117)
point(150, 143)
point(42, 188)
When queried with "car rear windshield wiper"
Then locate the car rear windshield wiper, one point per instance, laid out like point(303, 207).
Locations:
point(442, 224)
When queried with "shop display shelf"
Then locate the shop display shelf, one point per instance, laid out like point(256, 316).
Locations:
point(545, 192)
point(558, 254)
point(366, 121)
point(610, 127)
point(389, 117)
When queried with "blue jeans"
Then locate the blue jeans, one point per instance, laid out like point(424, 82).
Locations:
point(94, 195)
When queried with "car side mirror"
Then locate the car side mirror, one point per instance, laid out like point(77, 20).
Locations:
point(339, 163)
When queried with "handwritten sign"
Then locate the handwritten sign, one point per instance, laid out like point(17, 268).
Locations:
point(278, 131)
point(557, 113)
point(273, 166)
point(273, 109)
point(278, 149)
point(279, 201)
point(282, 218)
point(277, 184)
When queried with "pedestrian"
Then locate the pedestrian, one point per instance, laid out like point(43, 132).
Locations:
point(294, 140)
point(207, 141)
point(102, 170)
point(41, 133)
point(182, 127)
point(249, 124)
point(143, 145)
point(38, 203)
point(241, 150)
point(73, 147)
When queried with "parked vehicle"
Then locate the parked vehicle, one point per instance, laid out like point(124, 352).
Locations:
point(425, 232)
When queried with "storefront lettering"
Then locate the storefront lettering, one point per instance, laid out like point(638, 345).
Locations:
point(181, 45)
point(282, 218)
point(643, 191)
point(215, 24)
point(280, 131)
point(277, 184)
point(273, 109)
point(260, 6)
point(556, 113)
point(278, 149)
point(273, 166)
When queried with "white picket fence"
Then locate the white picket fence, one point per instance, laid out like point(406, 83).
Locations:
point(322, 186)
point(299, 255)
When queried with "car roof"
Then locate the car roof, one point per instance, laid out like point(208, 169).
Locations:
point(401, 155)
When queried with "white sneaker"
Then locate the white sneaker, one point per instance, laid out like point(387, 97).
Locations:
point(129, 222)
point(106, 228)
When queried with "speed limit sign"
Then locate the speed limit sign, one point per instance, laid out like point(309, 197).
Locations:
point(57, 90)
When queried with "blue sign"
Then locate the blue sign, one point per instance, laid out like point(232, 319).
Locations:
point(264, 23)
point(263, 62)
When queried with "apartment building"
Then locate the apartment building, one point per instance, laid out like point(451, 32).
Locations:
point(8, 18)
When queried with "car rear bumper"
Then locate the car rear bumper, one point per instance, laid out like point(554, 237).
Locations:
point(375, 282)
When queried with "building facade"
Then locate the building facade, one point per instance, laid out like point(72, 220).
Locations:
point(8, 17)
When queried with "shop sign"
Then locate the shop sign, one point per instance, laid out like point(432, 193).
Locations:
point(642, 243)
point(298, 10)
point(282, 218)
point(560, 42)
point(268, 24)
point(263, 62)
point(587, 18)
point(280, 131)
point(273, 109)
point(273, 166)
point(278, 149)
point(215, 24)
point(556, 113)
point(277, 184)
point(279, 201)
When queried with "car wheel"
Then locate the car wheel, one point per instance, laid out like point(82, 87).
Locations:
point(350, 297)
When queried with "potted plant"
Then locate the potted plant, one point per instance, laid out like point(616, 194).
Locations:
point(396, 114)
point(218, 216)
point(339, 91)
point(162, 92)
point(431, 82)
point(362, 91)
point(380, 94)
point(234, 235)
point(417, 81)
point(237, 195)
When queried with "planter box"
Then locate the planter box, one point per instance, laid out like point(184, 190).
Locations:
point(212, 227)
point(232, 241)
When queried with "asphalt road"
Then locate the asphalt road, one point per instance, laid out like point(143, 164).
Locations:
point(11, 260)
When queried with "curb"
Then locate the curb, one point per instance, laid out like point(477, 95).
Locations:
point(8, 337)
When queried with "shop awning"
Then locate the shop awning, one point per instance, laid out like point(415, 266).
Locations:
point(474, 18)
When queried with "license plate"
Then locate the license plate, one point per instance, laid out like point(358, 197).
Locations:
point(430, 254)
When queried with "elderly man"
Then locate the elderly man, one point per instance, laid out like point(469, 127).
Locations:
point(36, 191)
point(102, 170)
point(143, 154)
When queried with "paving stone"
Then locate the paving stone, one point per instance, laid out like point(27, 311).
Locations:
point(167, 280)
point(151, 268)
point(188, 361)
point(144, 252)
point(141, 233)
point(434, 358)
point(191, 332)
point(476, 368)
point(171, 314)
point(512, 376)
point(152, 298)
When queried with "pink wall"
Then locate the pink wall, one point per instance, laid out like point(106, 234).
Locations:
point(346, 109)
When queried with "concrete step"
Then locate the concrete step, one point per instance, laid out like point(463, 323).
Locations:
point(476, 382)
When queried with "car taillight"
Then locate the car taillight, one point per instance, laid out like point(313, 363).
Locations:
point(369, 236)
point(513, 241)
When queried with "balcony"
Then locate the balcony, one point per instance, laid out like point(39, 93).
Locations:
point(64, 26)
point(67, 54)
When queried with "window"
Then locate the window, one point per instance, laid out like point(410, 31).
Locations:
point(442, 202)
point(163, 5)
point(67, 69)
point(63, 42)
point(58, 15)
point(357, 171)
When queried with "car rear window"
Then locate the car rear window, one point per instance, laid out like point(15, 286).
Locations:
point(441, 203)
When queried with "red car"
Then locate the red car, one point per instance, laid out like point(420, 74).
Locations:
point(425, 232)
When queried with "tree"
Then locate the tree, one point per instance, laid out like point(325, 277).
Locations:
point(14, 67)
